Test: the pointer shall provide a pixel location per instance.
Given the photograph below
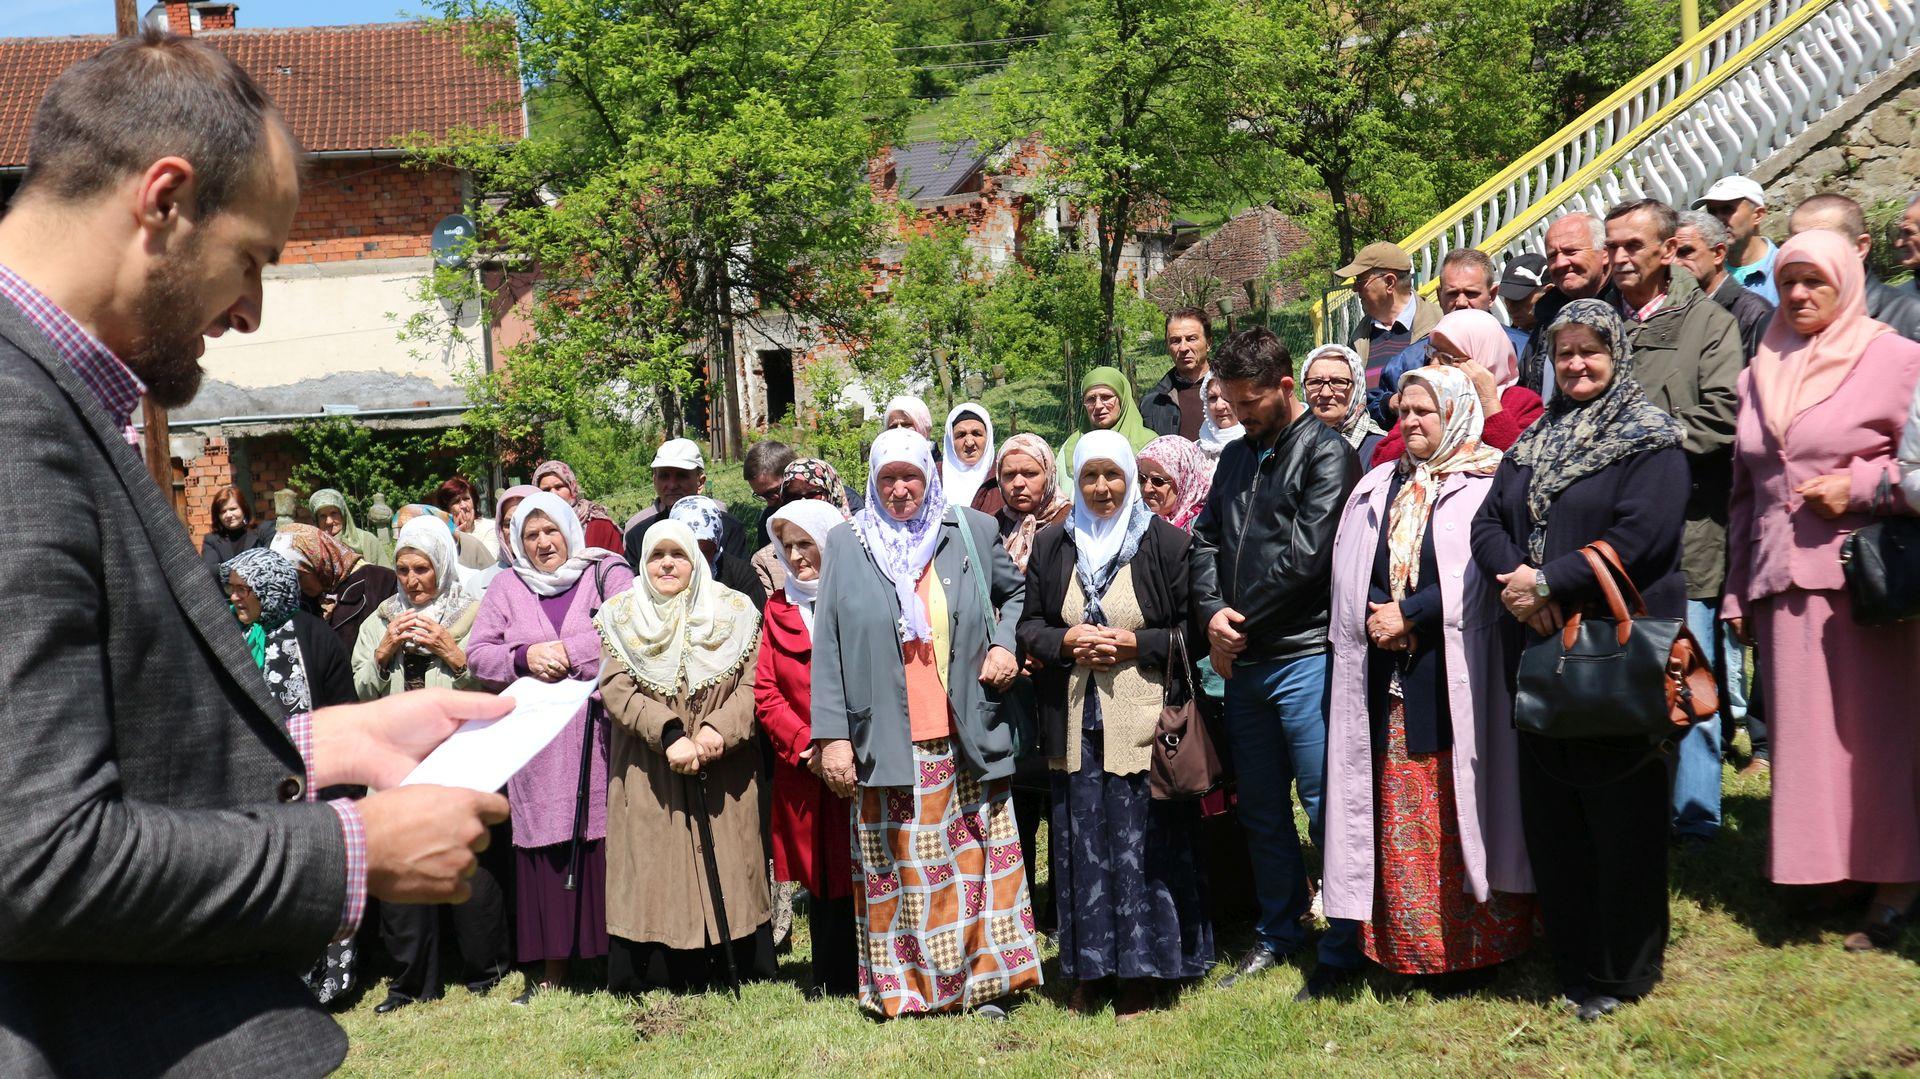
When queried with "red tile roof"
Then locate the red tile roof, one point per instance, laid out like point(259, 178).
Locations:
point(341, 87)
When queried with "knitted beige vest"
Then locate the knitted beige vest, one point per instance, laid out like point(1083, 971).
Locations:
point(1130, 696)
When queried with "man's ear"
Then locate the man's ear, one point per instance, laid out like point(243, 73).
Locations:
point(163, 193)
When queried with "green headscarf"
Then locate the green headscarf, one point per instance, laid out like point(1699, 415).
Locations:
point(362, 542)
point(1137, 434)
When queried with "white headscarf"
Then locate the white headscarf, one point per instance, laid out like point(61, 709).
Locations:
point(1214, 438)
point(816, 518)
point(916, 410)
point(1098, 541)
point(701, 634)
point(429, 536)
point(579, 555)
point(903, 548)
point(962, 481)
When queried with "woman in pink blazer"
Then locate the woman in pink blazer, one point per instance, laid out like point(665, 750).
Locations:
point(1821, 412)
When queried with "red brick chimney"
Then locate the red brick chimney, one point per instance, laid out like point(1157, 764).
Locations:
point(186, 17)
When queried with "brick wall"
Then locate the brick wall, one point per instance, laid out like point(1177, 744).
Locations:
point(360, 208)
point(270, 463)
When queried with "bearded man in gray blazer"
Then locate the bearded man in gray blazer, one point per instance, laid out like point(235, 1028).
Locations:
point(164, 870)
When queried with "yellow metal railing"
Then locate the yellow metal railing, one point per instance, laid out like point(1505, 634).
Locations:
point(1678, 77)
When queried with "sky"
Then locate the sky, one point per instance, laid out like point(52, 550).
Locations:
point(39, 18)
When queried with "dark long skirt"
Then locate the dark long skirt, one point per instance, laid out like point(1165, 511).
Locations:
point(553, 922)
point(643, 966)
point(1131, 895)
point(1596, 815)
point(414, 935)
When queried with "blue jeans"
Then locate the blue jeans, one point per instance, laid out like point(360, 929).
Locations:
point(1696, 779)
point(1276, 727)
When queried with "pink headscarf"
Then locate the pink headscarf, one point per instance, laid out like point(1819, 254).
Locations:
point(1482, 339)
point(1793, 372)
point(1192, 475)
point(915, 409)
point(585, 510)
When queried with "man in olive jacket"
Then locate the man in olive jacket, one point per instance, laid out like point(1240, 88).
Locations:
point(1687, 356)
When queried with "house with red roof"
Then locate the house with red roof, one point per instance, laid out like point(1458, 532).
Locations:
point(356, 97)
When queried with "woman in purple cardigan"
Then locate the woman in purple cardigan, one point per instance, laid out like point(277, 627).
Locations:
point(1821, 412)
point(538, 621)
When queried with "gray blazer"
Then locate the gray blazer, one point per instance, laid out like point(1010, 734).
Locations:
point(162, 880)
point(860, 676)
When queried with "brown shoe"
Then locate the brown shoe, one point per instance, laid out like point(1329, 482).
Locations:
point(1135, 999)
point(1880, 933)
point(1758, 766)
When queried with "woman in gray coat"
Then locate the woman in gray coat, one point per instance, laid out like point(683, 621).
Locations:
point(909, 661)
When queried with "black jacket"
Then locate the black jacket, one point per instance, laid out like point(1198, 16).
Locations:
point(1534, 362)
point(1897, 307)
point(216, 548)
point(738, 574)
point(1264, 544)
point(360, 592)
point(1159, 570)
point(1748, 308)
point(1160, 406)
point(329, 669)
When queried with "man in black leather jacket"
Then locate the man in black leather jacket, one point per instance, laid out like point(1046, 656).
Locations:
point(1262, 562)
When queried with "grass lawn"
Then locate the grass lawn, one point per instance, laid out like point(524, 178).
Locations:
point(1748, 991)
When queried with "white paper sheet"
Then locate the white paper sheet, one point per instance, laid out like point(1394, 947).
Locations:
point(484, 753)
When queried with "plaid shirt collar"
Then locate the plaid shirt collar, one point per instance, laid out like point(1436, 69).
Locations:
point(118, 389)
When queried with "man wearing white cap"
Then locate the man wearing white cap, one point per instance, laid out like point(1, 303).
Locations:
point(1741, 205)
point(679, 471)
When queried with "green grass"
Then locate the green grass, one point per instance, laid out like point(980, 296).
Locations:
point(1748, 991)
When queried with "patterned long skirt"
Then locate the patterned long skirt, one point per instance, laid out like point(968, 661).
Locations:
point(940, 892)
point(1133, 899)
point(1424, 919)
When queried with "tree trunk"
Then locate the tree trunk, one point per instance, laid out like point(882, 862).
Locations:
point(1342, 214)
point(726, 426)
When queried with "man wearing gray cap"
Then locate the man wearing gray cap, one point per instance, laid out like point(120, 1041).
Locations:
point(678, 471)
point(1383, 279)
point(1741, 205)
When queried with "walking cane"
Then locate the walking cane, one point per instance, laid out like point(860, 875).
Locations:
point(580, 801)
point(713, 883)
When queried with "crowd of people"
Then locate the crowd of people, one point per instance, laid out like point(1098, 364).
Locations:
point(883, 695)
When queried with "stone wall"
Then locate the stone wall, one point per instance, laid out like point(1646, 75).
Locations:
point(1868, 150)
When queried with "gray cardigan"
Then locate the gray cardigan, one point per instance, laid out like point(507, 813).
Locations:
point(859, 674)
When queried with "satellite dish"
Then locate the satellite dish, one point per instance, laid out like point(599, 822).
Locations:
point(453, 238)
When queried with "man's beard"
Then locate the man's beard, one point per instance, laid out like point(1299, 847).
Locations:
point(167, 311)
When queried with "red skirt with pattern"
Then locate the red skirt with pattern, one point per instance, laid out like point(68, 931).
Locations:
point(1424, 919)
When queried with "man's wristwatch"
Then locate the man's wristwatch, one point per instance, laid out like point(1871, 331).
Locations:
point(1540, 584)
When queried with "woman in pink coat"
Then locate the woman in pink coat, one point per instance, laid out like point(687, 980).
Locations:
point(1821, 411)
point(1423, 837)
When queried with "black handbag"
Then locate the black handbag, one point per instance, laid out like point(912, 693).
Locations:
point(1185, 764)
point(1626, 676)
point(1881, 561)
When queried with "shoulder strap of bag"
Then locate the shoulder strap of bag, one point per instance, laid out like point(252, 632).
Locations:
point(599, 585)
point(1618, 572)
point(980, 570)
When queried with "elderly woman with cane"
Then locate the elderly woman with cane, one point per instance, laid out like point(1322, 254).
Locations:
point(687, 891)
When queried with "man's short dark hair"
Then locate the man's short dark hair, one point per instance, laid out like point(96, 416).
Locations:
point(1255, 355)
point(1474, 257)
point(1196, 314)
point(1666, 220)
point(1852, 217)
point(767, 458)
point(143, 98)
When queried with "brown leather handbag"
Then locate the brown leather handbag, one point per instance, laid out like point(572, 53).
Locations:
point(1185, 763)
point(1630, 675)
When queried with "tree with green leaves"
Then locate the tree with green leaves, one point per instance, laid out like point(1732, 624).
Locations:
point(699, 162)
point(1373, 118)
point(1129, 106)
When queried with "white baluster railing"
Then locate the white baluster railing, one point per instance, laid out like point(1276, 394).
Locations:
point(1719, 104)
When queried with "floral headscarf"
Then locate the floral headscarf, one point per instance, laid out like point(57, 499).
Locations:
point(1054, 505)
point(903, 548)
point(1213, 437)
point(584, 510)
point(275, 581)
point(1359, 425)
point(1460, 451)
point(1191, 472)
point(701, 515)
point(327, 558)
point(813, 472)
point(1576, 439)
